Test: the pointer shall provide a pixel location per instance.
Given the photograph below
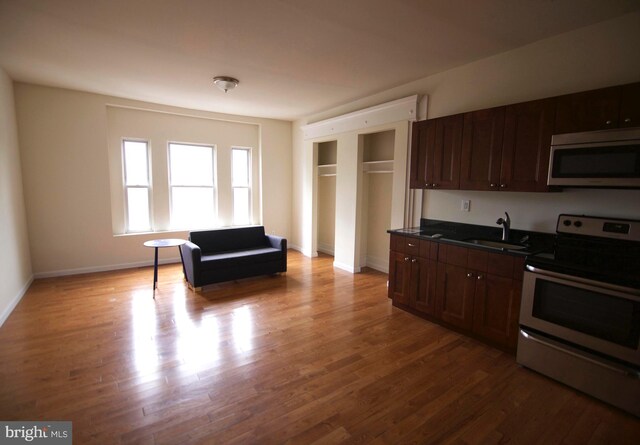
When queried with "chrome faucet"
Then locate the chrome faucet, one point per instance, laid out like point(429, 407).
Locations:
point(506, 227)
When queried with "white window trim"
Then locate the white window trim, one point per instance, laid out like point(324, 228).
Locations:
point(125, 187)
point(214, 186)
point(249, 186)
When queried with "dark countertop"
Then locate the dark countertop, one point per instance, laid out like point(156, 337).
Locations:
point(460, 234)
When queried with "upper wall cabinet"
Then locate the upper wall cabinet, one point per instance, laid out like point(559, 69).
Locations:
point(507, 148)
point(435, 153)
point(528, 128)
point(483, 131)
point(601, 109)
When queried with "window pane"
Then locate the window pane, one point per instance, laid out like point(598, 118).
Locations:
point(191, 165)
point(192, 207)
point(240, 163)
point(241, 206)
point(135, 163)
point(138, 209)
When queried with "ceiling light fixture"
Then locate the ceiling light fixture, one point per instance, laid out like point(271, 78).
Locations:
point(225, 83)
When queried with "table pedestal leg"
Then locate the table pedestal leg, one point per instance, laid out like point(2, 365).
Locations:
point(184, 271)
point(155, 271)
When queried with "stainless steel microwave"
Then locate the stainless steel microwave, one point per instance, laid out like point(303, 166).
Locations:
point(608, 158)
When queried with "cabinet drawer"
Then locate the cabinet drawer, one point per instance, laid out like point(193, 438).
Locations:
point(428, 249)
point(454, 255)
point(396, 243)
point(411, 246)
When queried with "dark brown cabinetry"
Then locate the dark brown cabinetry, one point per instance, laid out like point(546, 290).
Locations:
point(507, 148)
point(482, 149)
point(435, 154)
point(526, 146)
point(601, 109)
point(472, 290)
point(412, 273)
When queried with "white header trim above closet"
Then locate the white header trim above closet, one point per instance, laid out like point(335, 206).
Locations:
point(394, 111)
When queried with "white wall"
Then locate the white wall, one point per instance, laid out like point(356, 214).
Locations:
point(63, 143)
point(596, 56)
point(15, 263)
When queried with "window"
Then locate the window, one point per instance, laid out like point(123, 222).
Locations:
point(192, 186)
point(137, 185)
point(241, 184)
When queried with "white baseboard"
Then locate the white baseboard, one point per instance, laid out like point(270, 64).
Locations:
point(381, 265)
point(347, 267)
point(83, 270)
point(326, 248)
point(14, 302)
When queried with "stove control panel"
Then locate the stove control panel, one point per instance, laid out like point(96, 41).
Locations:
point(599, 227)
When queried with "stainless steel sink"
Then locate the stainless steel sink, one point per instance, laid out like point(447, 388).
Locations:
point(496, 244)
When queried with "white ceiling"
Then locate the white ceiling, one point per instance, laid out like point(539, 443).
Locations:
point(293, 57)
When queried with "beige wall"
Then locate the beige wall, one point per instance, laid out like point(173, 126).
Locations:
point(160, 128)
point(63, 142)
point(326, 214)
point(15, 263)
point(592, 57)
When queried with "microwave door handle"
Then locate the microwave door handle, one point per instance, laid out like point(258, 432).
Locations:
point(565, 350)
point(598, 284)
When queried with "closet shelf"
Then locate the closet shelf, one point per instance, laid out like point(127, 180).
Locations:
point(385, 166)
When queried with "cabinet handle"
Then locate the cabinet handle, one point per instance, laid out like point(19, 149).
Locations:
point(434, 185)
point(627, 120)
point(413, 260)
point(412, 245)
point(608, 122)
point(427, 185)
point(480, 277)
point(469, 275)
point(503, 186)
point(493, 185)
point(406, 258)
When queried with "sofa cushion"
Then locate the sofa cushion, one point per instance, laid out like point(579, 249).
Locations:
point(239, 258)
point(224, 240)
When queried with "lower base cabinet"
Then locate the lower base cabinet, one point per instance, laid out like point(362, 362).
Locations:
point(471, 290)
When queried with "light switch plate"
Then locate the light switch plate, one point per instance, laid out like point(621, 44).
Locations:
point(465, 205)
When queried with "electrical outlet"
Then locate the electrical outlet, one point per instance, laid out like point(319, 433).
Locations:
point(465, 205)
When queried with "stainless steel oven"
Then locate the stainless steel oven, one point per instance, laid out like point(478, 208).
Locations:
point(580, 311)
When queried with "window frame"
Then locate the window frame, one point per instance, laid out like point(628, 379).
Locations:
point(249, 185)
point(214, 186)
point(126, 187)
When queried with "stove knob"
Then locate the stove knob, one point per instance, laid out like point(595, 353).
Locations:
point(566, 222)
point(578, 223)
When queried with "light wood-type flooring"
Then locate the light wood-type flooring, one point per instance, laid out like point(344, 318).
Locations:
point(317, 355)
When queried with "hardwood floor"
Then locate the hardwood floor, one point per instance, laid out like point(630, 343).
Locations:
point(314, 356)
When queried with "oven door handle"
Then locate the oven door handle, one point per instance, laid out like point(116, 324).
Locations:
point(617, 368)
point(600, 284)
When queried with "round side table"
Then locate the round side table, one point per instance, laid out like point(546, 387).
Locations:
point(159, 244)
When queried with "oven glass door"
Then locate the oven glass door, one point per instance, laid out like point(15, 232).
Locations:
point(597, 318)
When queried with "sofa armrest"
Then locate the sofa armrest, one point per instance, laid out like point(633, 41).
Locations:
point(192, 259)
point(277, 242)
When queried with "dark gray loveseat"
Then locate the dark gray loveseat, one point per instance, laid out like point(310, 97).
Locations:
point(214, 256)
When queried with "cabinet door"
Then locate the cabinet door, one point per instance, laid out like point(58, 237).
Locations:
point(399, 276)
point(496, 309)
point(630, 106)
point(454, 295)
point(482, 149)
point(423, 277)
point(444, 170)
point(422, 137)
point(526, 146)
point(589, 110)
